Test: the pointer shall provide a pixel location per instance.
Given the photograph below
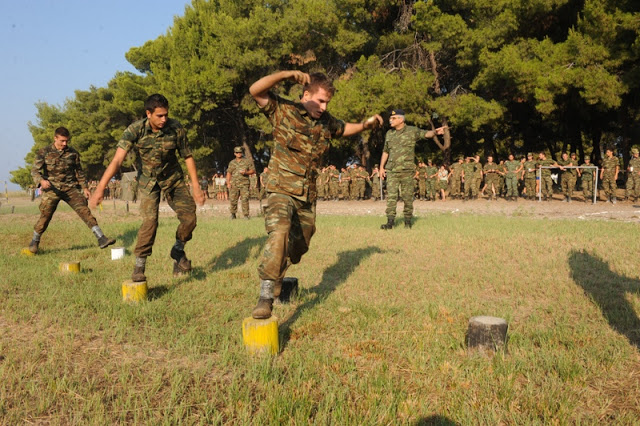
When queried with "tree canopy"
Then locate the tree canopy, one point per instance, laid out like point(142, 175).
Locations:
point(505, 76)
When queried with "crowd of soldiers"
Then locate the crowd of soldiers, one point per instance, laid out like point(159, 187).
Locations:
point(112, 191)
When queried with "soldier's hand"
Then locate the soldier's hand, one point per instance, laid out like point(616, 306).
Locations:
point(198, 196)
point(45, 184)
point(300, 77)
point(440, 130)
point(383, 173)
point(87, 193)
point(373, 122)
point(96, 198)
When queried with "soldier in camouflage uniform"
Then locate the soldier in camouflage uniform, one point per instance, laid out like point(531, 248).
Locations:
point(529, 175)
point(253, 186)
point(399, 150)
point(421, 177)
point(301, 133)
point(633, 176)
point(546, 184)
point(587, 177)
point(58, 172)
point(375, 183)
point(492, 174)
point(238, 183)
point(513, 168)
point(361, 177)
point(320, 184)
point(565, 176)
point(264, 176)
point(155, 140)
point(333, 178)
point(431, 173)
point(455, 180)
point(609, 175)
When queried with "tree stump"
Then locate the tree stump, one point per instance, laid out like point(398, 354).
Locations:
point(487, 334)
point(289, 290)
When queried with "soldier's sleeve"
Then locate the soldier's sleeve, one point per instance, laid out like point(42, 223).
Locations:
point(250, 166)
point(269, 110)
point(38, 165)
point(80, 175)
point(386, 142)
point(181, 141)
point(129, 137)
point(336, 127)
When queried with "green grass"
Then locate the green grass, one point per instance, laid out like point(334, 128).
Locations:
point(375, 337)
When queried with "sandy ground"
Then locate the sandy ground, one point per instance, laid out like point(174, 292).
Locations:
point(622, 211)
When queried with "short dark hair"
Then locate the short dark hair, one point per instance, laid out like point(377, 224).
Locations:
point(155, 101)
point(319, 80)
point(62, 131)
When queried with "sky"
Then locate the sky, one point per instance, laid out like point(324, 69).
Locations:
point(50, 48)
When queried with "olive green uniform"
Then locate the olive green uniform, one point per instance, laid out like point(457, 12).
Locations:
point(240, 185)
point(492, 177)
point(530, 178)
point(511, 177)
point(609, 185)
point(633, 178)
point(546, 184)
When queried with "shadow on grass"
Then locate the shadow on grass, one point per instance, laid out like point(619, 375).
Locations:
point(607, 290)
point(157, 292)
point(435, 421)
point(236, 255)
point(332, 277)
point(127, 238)
point(42, 251)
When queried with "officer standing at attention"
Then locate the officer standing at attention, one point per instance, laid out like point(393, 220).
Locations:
point(238, 182)
point(155, 140)
point(399, 152)
point(58, 173)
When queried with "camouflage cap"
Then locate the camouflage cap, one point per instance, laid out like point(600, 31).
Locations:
point(397, 111)
point(635, 151)
point(529, 154)
point(238, 149)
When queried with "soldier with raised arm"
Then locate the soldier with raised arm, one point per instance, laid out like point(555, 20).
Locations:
point(302, 131)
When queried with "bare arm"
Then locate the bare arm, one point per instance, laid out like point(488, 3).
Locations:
point(198, 195)
point(370, 123)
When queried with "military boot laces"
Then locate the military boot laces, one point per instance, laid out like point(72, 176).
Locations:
point(138, 274)
point(388, 225)
point(105, 241)
point(33, 246)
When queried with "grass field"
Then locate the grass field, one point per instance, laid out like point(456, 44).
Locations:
point(375, 337)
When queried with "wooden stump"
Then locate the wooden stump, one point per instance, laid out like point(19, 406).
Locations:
point(260, 336)
point(26, 252)
point(289, 290)
point(133, 291)
point(486, 334)
point(71, 267)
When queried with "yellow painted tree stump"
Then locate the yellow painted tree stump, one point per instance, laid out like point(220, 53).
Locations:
point(26, 252)
point(133, 291)
point(70, 267)
point(261, 335)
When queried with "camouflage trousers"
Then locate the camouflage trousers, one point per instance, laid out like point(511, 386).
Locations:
point(344, 190)
point(180, 200)
point(358, 189)
point(633, 185)
point(422, 188)
point(431, 188)
point(396, 182)
point(568, 184)
point(290, 224)
point(546, 186)
point(239, 192)
point(587, 188)
point(470, 188)
point(334, 189)
point(512, 185)
point(49, 203)
point(492, 180)
point(456, 183)
point(530, 186)
point(375, 190)
point(609, 185)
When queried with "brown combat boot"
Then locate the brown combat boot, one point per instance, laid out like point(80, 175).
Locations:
point(265, 302)
point(389, 224)
point(182, 267)
point(138, 274)
point(105, 241)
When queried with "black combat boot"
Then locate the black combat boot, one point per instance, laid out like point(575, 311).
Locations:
point(233, 216)
point(407, 223)
point(33, 246)
point(389, 224)
point(105, 241)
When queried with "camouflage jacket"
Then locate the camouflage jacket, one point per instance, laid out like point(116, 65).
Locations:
point(61, 168)
point(156, 159)
point(456, 170)
point(530, 169)
point(334, 175)
point(469, 170)
point(300, 143)
point(431, 170)
point(545, 163)
point(511, 166)
point(235, 168)
point(609, 165)
point(587, 174)
point(634, 165)
point(401, 147)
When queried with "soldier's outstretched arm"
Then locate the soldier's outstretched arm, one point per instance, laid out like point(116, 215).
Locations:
point(370, 123)
point(112, 169)
point(260, 89)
